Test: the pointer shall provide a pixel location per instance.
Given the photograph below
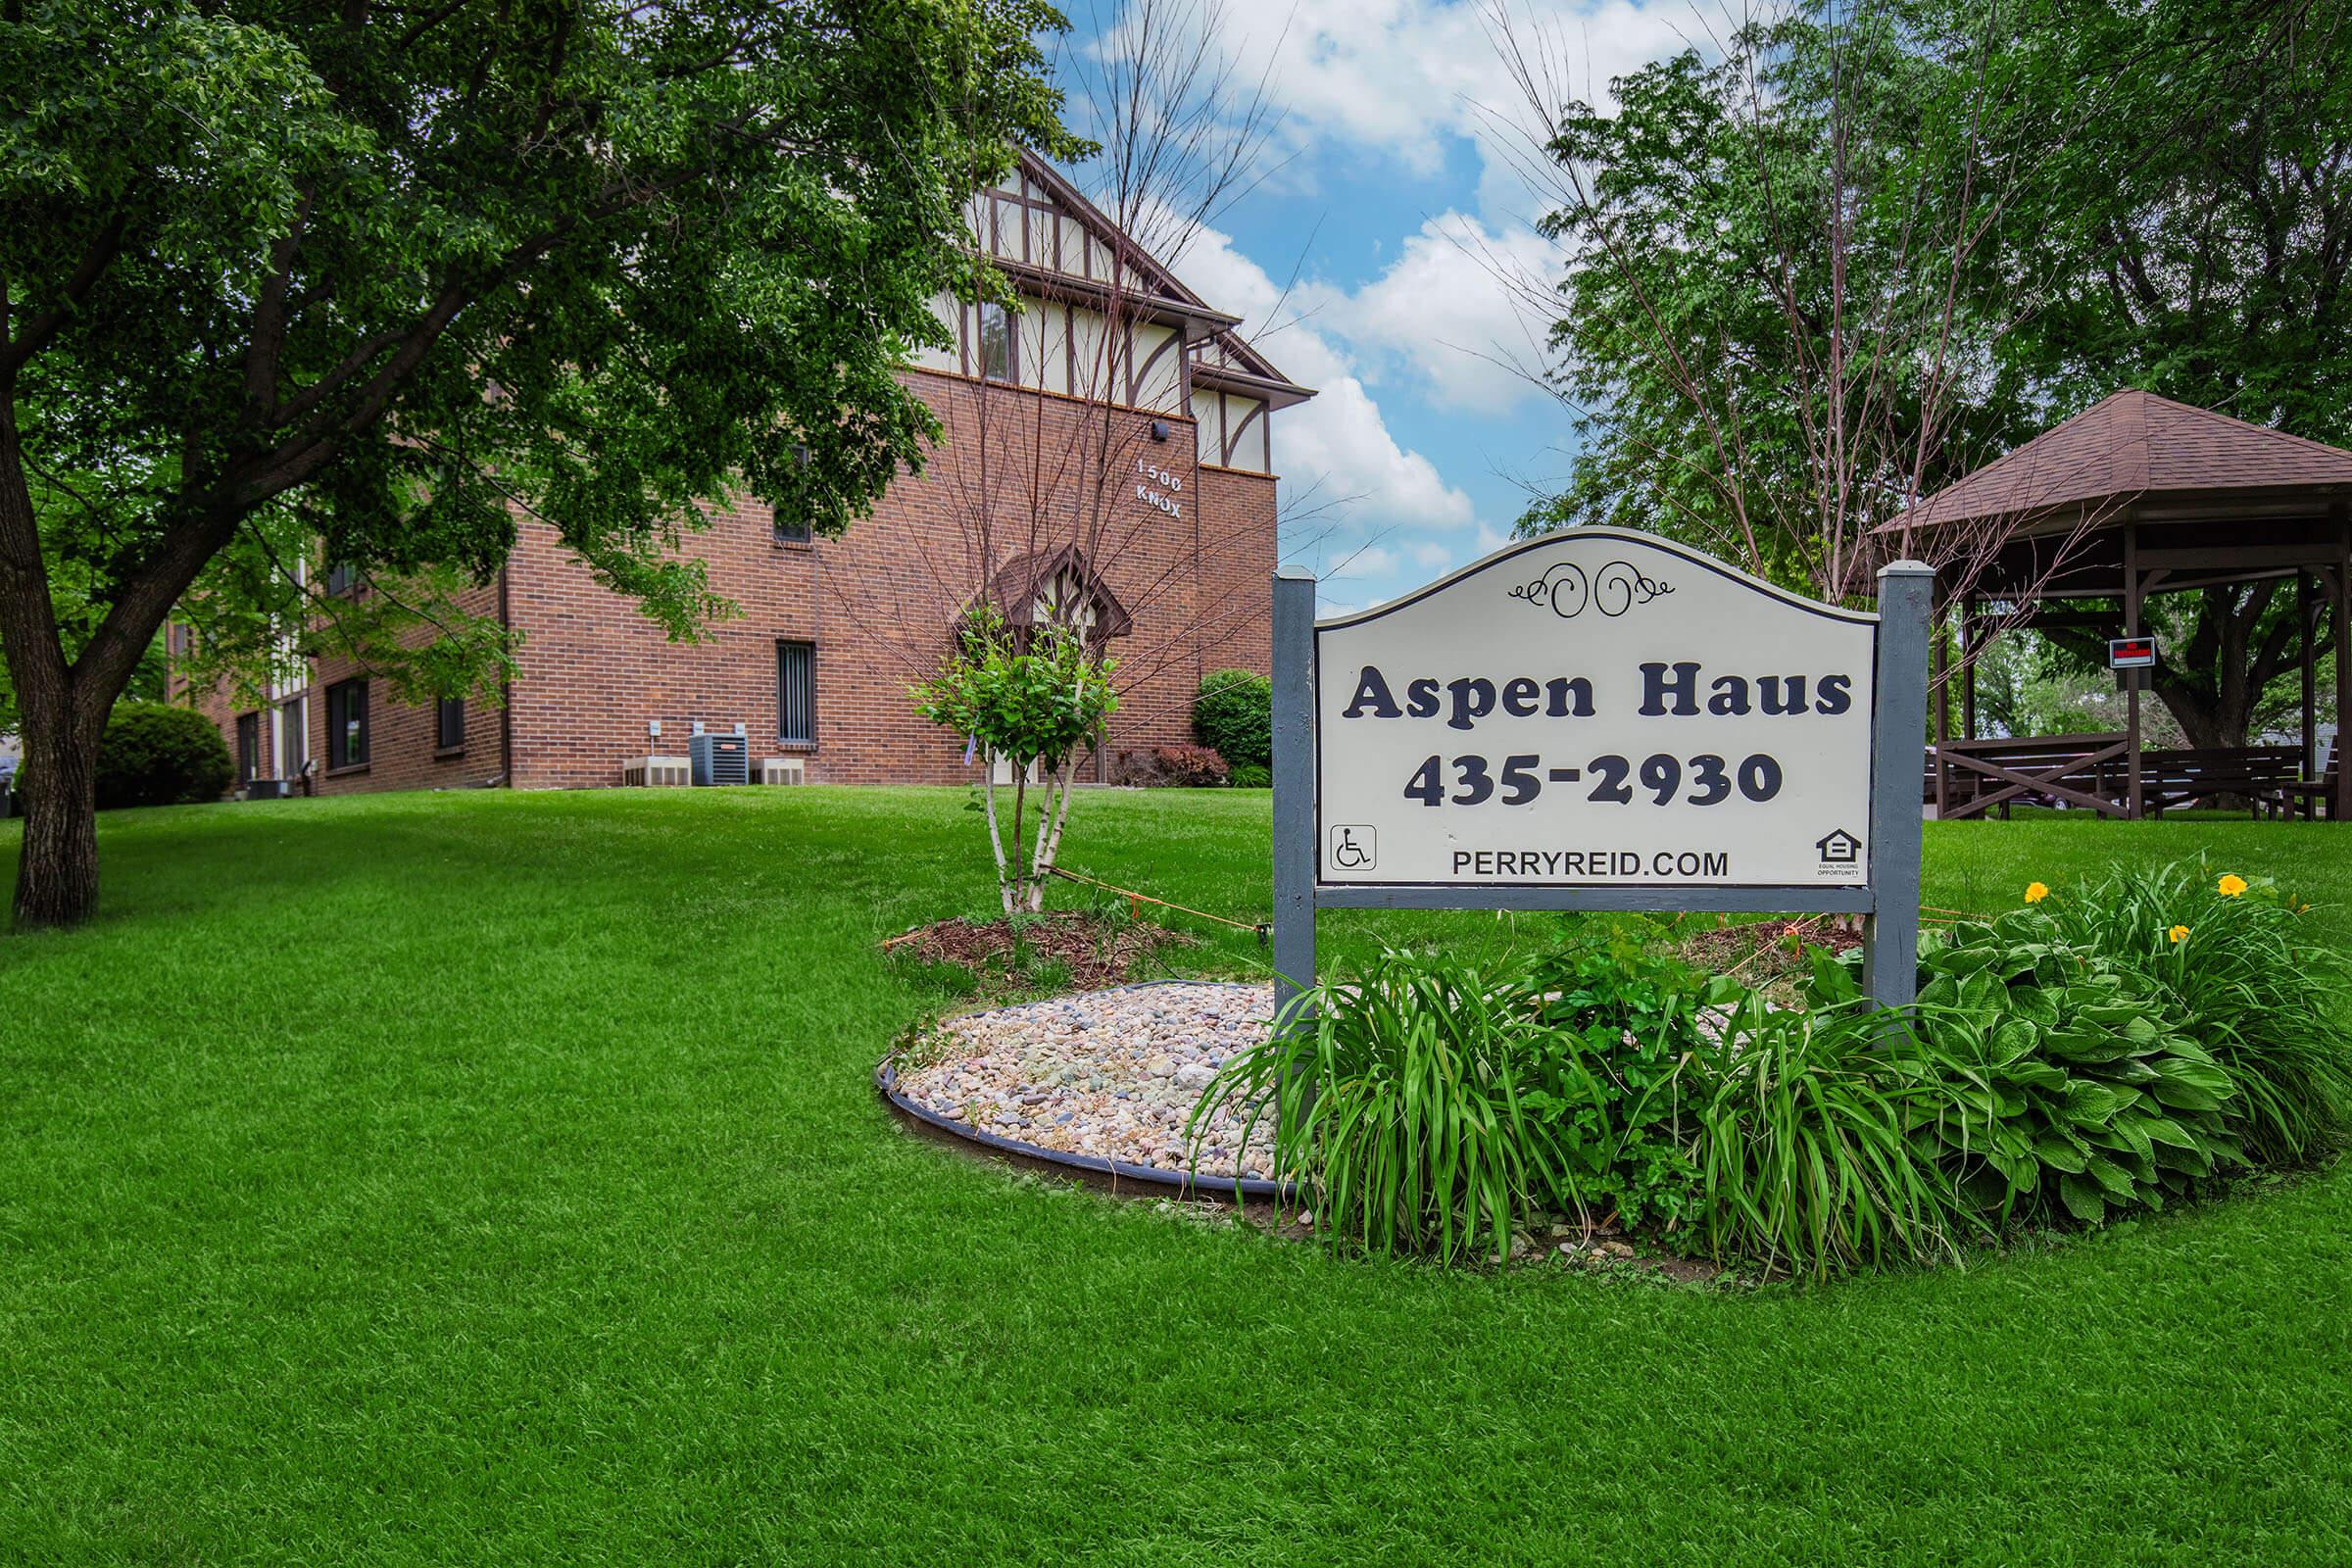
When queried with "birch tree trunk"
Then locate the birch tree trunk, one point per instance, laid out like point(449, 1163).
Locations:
point(1050, 844)
point(995, 836)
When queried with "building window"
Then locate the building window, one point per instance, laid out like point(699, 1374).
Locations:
point(449, 723)
point(996, 344)
point(342, 577)
point(792, 528)
point(293, 737)
point(795, 694)
point(249, 746)
point(347, 723)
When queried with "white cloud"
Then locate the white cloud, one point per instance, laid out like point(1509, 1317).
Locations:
point(1338, 446)
point(1363, 561)
point(1462, 307)
point(1400, 77)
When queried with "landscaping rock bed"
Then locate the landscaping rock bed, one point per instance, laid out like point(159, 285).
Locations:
point(1108, 1075)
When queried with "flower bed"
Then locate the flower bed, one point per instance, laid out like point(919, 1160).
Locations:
point(2086, 1055)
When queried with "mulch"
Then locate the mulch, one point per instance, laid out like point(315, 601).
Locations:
point(1097, 950)
point(1772, 944)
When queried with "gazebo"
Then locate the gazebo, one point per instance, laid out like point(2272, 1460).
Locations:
point(2136, 495)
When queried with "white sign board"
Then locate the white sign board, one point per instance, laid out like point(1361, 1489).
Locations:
point(1594, 708)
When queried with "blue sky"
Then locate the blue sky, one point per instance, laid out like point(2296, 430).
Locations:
point(1395, 187)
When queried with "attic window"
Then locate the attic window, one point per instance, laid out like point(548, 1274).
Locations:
point(1068, 599)
point(995, 343)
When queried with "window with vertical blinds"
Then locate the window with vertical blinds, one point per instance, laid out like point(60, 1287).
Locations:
point(796, 693)
point(293, 737)
point(347, 723)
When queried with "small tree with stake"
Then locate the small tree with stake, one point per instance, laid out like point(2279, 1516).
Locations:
point(1027, 696)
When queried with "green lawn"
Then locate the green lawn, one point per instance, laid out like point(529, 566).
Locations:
point(489, 1178)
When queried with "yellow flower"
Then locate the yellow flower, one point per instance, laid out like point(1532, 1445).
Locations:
point(2036, 893)
point(2179, 933)
point(2232, 885)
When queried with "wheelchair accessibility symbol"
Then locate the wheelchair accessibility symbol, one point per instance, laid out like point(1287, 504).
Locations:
point(1352, 849)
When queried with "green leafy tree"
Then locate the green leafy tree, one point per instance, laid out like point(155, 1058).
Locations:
point(1765, 340)
point(2207, 233)
point(383, 276)
point(1872, 247)
point(1033, 698)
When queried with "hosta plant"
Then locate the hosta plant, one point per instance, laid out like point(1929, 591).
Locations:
point(2078, 1092)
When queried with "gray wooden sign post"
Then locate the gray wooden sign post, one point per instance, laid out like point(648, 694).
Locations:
point(1888, 899)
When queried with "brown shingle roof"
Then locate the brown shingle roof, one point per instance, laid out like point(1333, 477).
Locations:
point(2127, 444)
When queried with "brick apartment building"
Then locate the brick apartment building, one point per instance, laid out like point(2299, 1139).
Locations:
point(1104, 458)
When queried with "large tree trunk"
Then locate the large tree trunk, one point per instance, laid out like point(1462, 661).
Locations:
point(2211, 679)
point(57, 881)
point(57, 877)
point(2242, 639)
point(64, 702)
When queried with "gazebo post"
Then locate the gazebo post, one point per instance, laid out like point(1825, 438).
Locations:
point(2341, 802)
point(2306, 626)
point(2131, 677)
point(1943, 705)
point(1968, 626)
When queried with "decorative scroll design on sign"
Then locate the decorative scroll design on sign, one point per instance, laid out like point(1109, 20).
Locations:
point(1613, 589)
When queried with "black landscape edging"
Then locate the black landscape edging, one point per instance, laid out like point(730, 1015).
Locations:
point(1175, 1183)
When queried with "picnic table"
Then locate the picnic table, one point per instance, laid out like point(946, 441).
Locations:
point(1986, 775)
point(2092, 773)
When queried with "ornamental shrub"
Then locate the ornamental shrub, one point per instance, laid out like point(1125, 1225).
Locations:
point(2236, 960)
point(154, 754)
point(1414, 1106)
point(2086, 1055)
point(1234, 717)
point(1630, 1022)
point(1191, 766)
point(1250, 776)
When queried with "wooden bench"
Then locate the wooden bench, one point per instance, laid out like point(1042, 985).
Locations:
point(2308, 794)
point(2265, 777)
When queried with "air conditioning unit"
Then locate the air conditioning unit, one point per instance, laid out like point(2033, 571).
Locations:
point(650, 770)
point(783, 771)
point(265, 789)
point(720, 758)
